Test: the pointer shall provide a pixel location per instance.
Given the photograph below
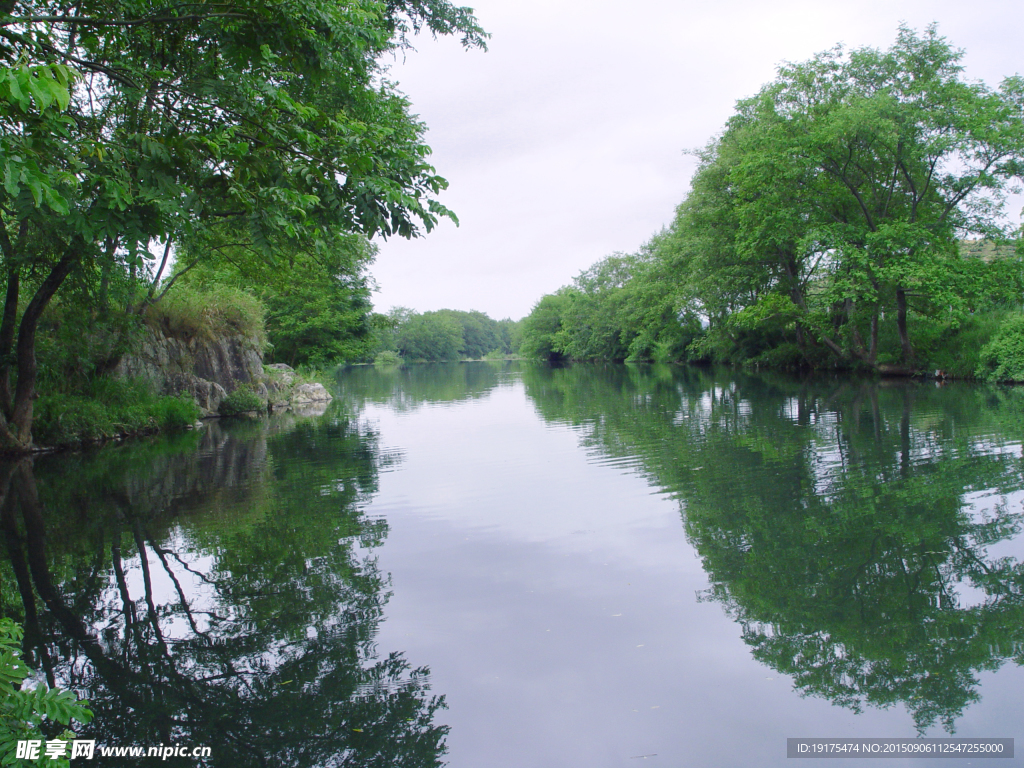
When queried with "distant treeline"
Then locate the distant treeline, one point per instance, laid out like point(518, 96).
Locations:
point(851, 214)
point(445, 334)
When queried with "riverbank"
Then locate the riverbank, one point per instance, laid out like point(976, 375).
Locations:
point(114, 409)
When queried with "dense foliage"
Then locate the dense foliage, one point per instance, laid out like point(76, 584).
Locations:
point(829, 224)
point(1002, 358)
point(445, 334)
point(259, 128)
point(624, 307)
point(26, 713)
point(315, 310)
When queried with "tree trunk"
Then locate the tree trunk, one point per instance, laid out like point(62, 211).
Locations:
point(11, 250)
point(8, 326)
point(19, 429)
point(901, 325)
point(874, 336)
point(864, 354)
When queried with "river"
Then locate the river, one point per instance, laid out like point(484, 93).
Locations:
point(508, 564)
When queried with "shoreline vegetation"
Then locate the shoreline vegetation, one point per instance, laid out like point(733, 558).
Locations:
point(256, 153)
point(850, 216)
point(90, 395)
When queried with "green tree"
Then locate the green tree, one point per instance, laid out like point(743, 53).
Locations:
point(591, 326)
point(196, 128)
point(509, 335)
point(430, 337)
point(845, 184)
point(317, 305)
point(541, 328)
point(626, 306)
point(480, 333)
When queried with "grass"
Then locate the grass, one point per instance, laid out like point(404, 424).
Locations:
point(242, 400)
point(388, 357)
point(209, 312)
point(107, 408)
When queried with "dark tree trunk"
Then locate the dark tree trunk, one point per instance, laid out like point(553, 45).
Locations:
point(11, 250)
point(8, 326)
point(874, 336)
point(19, 429)
point(901, 326)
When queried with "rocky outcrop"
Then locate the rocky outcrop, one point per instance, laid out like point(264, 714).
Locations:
point(207, 370)
point(307, 394)
point(286, 393)
point(211, 370)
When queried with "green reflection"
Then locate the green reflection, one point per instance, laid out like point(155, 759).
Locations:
point(847, 526)
point(409, 387)
point(219, 589)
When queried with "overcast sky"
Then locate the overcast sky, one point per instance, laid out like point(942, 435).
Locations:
point(565, 141)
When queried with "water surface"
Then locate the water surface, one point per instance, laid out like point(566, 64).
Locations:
point(496, 564)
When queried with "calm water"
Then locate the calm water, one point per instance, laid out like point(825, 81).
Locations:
point(496, 564)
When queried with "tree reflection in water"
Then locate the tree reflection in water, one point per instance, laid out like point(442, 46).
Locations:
point(219, 589)
point(846, 526)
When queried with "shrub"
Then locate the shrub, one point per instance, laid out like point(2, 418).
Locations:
point(27, 714)
point(108, 407)
point(954, 349)
point(209, 311)
point(1002, 359)
point(242, 400)
point(177, 411)
point(77, 345)
point(388, 357)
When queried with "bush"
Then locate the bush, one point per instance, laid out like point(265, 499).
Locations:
point(786, 356)
point(953, 350)
point(242, 400)
point(209, 311)
point(31, 714)
point(77, 344)
point(388, 357)
point(176, 411)
point(106, 408)
point(1002, 359)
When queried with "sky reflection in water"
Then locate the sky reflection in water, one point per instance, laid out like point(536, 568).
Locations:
point(592, 565)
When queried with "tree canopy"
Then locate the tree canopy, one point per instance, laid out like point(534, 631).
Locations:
point(826, 224)
point(848, 181)
point(129, 128)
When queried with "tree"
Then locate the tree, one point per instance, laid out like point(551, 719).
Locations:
point(317, 306)
point(845, 184)
point(540, 329)
point(431, 337)
point(625, 306)
point(127, 127)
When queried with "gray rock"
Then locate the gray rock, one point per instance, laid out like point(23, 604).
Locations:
point(207, 370)
point(305, 394)
point(210, 370)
